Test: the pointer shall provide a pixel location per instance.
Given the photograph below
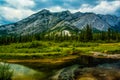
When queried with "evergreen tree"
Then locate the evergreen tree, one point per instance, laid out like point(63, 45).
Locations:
point(109, 34)
point(88, 33)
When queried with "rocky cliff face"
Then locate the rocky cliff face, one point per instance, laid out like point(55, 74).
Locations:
point(46, 21)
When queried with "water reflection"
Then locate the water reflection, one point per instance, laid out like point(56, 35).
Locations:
point(21, 72)
point(106, 71)
point(100, 72)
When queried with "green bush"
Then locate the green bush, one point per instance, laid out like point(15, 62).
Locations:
point(64, 44)
point(76, 51)
point(113, 52)
point(85, 44)
point(35, 44)
point(57, 49)
point(72, 51)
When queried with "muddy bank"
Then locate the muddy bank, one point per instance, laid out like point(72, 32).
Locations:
point(89, 73)
point(57, 63)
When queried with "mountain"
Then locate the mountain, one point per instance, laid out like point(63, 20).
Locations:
point(112, 20)
point(49, 22)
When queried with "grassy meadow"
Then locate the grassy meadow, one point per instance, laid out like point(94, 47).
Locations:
point(51, 49)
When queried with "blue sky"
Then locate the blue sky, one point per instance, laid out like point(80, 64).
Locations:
point(15, 10)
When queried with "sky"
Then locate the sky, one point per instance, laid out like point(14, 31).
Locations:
point(15, 10)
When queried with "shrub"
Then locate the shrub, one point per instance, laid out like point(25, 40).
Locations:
point(72, 51)
point(36, 44)
point(64, 44)
point(75, 51)
point(57, 49)
point(85, 44)
point(67, 51)
point(113, 52)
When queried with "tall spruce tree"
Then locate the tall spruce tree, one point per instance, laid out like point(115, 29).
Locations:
point(88, 33)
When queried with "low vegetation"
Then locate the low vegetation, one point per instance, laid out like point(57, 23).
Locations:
point(5, 72)
point(51, 49)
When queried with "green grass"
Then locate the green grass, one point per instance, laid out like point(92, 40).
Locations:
point(47, 49)
point(5, 73)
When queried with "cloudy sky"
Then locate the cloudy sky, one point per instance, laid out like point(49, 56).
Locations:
point(15, 10)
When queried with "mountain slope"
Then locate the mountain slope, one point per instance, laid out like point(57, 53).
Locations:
point(93, 20)
point(46, 21)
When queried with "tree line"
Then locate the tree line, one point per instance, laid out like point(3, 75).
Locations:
point(85, 35)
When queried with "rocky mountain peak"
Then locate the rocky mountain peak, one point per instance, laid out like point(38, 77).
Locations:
point(44, 11)
point(65, 13)
point(45, 21)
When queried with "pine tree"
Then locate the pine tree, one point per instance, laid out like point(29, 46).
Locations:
point(109, 34)
point(88, 33)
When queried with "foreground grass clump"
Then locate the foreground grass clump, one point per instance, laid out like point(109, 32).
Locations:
point(5, 73)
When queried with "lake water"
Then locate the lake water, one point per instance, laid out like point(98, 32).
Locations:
point(21, 72)
point(106, 71)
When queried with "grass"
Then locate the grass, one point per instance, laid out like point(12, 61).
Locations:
point(47, 49)
point(5, 73)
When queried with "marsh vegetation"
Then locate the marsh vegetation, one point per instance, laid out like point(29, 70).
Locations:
point(48, 49)
point(5, 71)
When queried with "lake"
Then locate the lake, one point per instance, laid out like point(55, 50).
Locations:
point(84, 68)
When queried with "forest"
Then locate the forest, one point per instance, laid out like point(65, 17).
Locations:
point(85, 35)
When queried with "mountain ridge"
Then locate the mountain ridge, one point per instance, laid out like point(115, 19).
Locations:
point(46, 21)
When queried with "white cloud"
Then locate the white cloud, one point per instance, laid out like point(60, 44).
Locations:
point(21, 3)
point(56, 9)
point(59, 9)
point(16, 10)
point(103, 7)
point(13, 14)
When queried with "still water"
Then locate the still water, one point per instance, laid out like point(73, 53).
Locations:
point(106, 71)
point(21, 72)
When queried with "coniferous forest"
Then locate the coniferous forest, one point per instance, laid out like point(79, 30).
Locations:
point(85, 35)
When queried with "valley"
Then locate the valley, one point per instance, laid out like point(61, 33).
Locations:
point(61, 46)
